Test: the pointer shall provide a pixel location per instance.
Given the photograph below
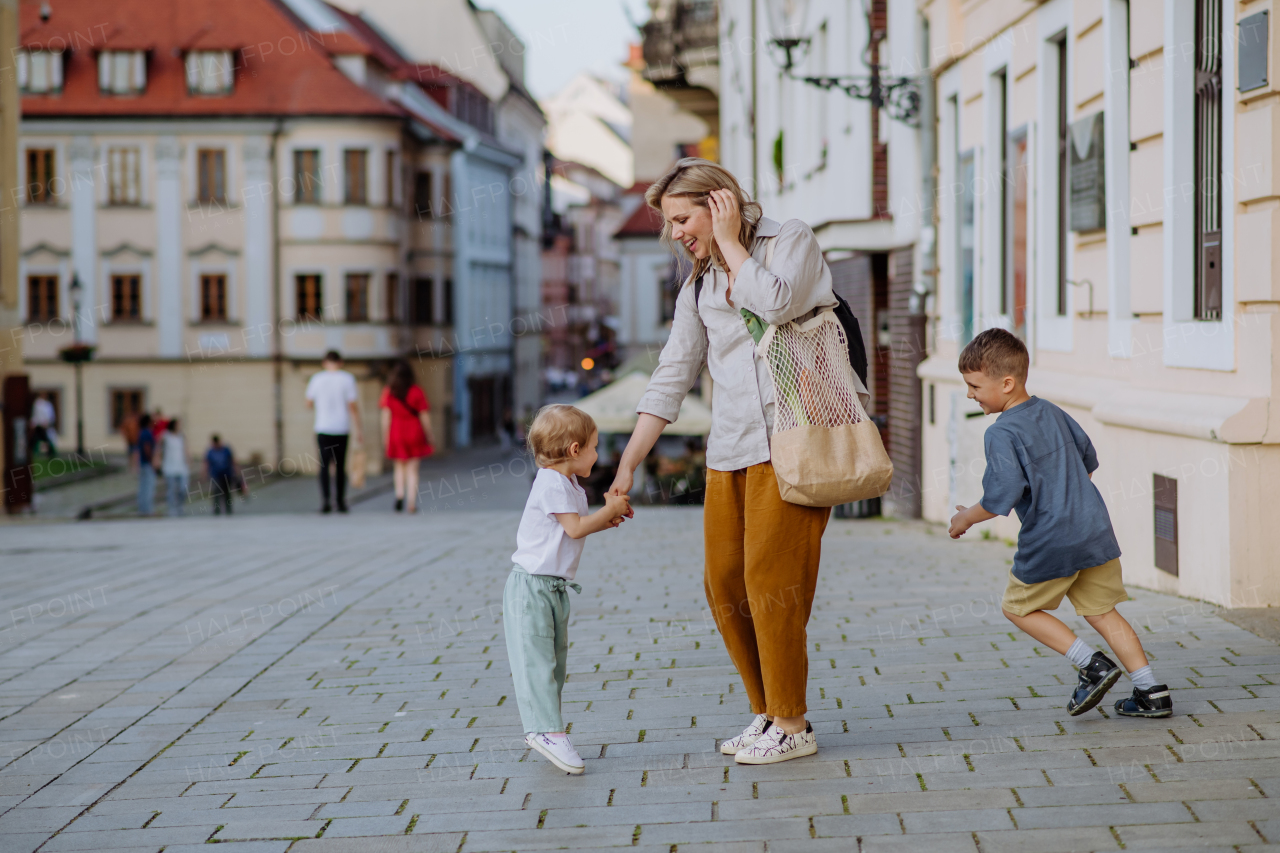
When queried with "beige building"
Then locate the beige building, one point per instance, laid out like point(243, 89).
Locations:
point(1107, 175)
point(212, 218)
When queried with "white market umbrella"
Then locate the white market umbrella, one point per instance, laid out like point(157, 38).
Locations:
point(613, 408)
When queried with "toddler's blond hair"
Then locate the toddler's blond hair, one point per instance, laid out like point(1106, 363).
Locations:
point(555, 428)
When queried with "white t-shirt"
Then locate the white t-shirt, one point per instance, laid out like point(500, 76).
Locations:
point(174, 462)
point(542, 545)
point(42, 413)
point(331, 391)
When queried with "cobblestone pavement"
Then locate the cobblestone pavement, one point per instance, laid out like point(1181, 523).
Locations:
point(309, 683)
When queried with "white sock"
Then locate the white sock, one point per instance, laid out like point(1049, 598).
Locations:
point(1080, 653)
point(1143, 679)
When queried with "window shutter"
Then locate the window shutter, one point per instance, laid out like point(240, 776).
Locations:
point(55, 71)
point(24, 69)
point(193, 72)
point(1165, 497)
point(140, 71)
point(104, 71)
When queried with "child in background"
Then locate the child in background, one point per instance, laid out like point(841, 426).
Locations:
point(1040, 463)
point(535, 603)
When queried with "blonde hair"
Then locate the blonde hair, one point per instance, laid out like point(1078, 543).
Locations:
point(694, 178)
point(555, 428)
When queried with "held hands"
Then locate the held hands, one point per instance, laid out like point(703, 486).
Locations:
point(960, 522)
point(617, 507)
point(726, 219)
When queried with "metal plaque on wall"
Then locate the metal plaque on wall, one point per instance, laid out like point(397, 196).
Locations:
point(1252, 50)
point(1087, 176)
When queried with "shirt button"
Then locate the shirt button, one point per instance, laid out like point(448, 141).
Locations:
point(754, 397)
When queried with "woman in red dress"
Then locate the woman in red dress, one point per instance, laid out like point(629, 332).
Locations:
point(406, 431)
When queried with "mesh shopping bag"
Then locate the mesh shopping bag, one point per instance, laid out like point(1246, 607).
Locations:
point(825, 449)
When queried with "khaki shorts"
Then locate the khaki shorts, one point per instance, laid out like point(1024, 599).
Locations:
point(1093, 592)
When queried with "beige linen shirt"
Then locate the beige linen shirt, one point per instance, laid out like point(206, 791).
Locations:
point(714, 333)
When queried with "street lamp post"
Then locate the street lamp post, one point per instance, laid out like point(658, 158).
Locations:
point(77, 354)
point(899, 97)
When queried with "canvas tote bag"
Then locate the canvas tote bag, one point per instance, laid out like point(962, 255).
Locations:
point(825, 449)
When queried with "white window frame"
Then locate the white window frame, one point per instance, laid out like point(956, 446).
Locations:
point(210, 72)
point(997, 60)
point(108, 170)
point(122, 72)
point(29, 60)
point(1046, 329)
point(1188, 342)
point(948, 299)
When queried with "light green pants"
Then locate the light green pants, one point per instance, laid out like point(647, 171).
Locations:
point(535, 615)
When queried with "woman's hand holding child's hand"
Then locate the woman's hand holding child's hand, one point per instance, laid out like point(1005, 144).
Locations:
point(619, 508)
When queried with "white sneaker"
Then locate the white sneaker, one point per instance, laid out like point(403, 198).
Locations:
point(557, 749)
point(774, 746)
point(749, 735)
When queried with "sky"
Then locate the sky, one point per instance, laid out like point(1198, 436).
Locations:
point(564, 37)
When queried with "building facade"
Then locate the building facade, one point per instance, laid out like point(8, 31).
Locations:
point(1106, 174)
point(851, 171)
point(213, 200)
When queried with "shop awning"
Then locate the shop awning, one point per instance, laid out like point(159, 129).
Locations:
point(614, 408)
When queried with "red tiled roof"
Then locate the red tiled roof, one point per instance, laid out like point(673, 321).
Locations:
point(344, 44)
point(280, 69)
point(644, 221)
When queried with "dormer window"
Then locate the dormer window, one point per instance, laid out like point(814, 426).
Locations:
point(39, 71)
point(209, 72)
point(122, 72)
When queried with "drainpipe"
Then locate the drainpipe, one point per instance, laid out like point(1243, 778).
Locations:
point(277, 342)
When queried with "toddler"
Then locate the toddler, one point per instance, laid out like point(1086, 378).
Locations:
point(535, 603)
point(1040, 463)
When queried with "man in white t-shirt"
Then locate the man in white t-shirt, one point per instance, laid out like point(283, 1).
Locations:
point(332, 393)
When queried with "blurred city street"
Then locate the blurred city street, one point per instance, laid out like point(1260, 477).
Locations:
point(305, 683)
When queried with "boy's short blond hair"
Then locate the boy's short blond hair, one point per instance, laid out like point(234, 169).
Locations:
point(555, 428)
point(996, 353)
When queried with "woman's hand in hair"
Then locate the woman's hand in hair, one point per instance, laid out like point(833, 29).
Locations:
point(726, 218)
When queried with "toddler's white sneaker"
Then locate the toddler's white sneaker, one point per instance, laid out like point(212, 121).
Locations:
point(558, 749)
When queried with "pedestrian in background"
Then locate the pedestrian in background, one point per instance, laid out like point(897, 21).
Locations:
point(332, 393)
point(130, 428)
point(146, 466)
point(406, 431)
point(159, 423)
point(43, 418)
point(220, 468)
point(174, 467)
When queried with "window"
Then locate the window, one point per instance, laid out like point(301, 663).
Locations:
point(966, 246)
point(123, 185)
point(357, 297)
point(448, 302)
point(1165, 497)
point(1208, 144)
point(391, 178)
point(122, 72)
point(355, 164)
point(309, 298)
point(213, 297)
point(306, 176)
point(40, 175)
point(422, 194)
point(1064, 187)
point(39, 72)
point(1016, 190)
point(1001, 153)
point(42, 298)
point(424, 301)
point(209, 72)
point(126, 297)
point(211, 165)
point(126, 402)
point(393, 297)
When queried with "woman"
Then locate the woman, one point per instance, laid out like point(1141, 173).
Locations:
point(762, 553)
point(173, 465)
point(406, 431)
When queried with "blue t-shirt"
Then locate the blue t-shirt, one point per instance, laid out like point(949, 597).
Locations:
point(1038, 463)
point(146, 446)
point(219, 461)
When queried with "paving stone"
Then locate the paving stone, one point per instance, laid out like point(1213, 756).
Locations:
point(936, 725)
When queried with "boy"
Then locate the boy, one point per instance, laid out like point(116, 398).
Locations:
point(1040, 463)
point(535, 603)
